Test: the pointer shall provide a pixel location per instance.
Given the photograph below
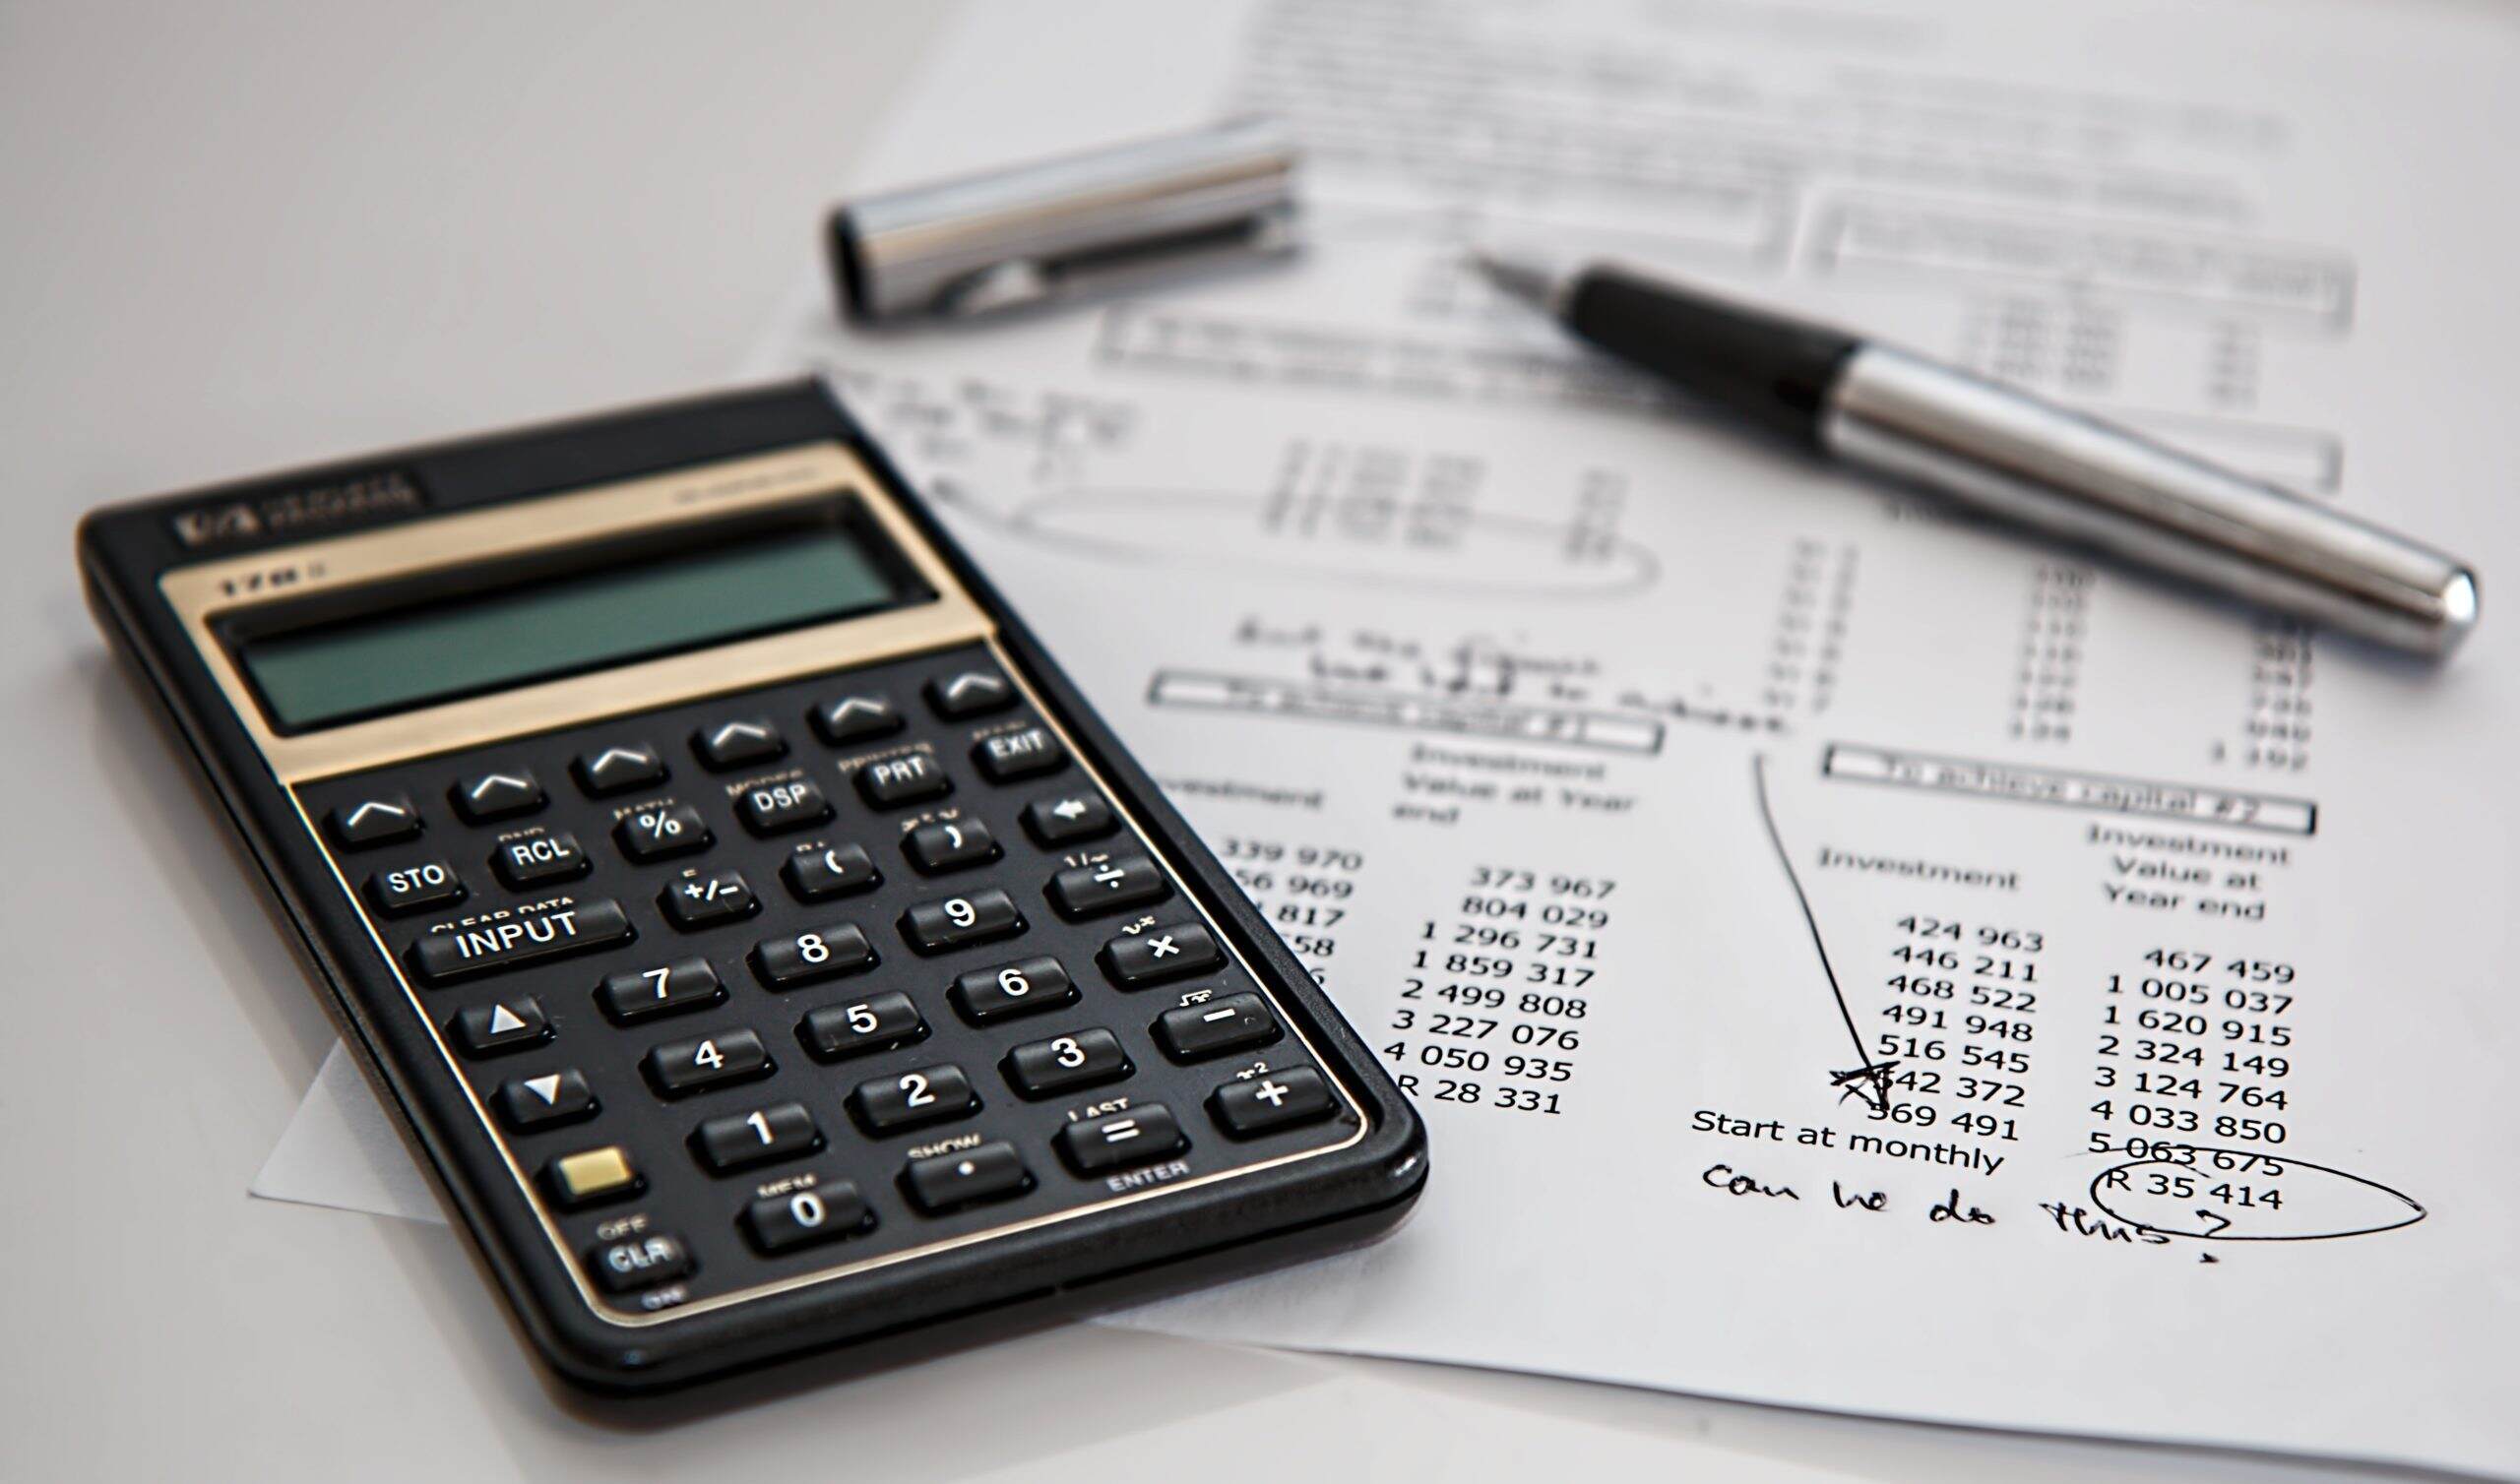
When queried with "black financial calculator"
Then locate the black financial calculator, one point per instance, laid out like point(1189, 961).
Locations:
point(762, 941)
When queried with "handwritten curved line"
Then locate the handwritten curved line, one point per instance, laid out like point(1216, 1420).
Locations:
point(1866, 1069)
point(2414, 1205)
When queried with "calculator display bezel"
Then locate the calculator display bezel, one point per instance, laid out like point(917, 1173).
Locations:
point(207, 595)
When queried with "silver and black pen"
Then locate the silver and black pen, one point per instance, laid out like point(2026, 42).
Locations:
point(2013, 455)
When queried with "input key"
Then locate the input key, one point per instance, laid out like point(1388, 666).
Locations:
point(488, 947)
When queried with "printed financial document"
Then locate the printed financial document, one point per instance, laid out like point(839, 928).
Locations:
point(1849, 956)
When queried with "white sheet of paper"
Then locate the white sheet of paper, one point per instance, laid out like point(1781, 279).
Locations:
point(1631, 785)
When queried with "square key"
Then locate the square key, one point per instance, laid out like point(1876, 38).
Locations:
point(1287, 1098)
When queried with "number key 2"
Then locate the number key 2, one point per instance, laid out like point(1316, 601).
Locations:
point(930, 1095)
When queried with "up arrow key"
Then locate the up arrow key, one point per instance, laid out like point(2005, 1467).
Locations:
point(378, 821)
point(973, 692)
point(497, 795)
point(496, 1028)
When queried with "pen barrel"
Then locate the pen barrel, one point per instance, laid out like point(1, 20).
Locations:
point(2041, 465)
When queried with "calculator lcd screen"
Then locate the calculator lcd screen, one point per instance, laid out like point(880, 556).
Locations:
point(555, 625)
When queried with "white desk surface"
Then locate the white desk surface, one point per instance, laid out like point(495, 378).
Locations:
point(234, 241)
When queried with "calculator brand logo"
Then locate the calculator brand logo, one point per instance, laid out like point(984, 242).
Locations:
point(299, 512)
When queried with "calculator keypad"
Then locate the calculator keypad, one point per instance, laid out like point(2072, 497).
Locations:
point(873, 966)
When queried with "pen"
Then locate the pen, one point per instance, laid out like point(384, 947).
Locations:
point(2012, 455)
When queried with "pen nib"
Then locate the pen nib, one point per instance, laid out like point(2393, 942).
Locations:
point(1525, 278)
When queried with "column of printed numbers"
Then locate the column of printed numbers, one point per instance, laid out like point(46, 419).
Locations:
point(1497, 998)
point(1962, 1017)
point(2196, 1048)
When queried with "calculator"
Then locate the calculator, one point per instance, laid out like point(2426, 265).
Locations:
point(753, 930)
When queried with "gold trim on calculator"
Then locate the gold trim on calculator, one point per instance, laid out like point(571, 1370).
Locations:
point(808, 473)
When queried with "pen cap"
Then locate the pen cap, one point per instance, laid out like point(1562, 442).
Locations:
point(1054, 229)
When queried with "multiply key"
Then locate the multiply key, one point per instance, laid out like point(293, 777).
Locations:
point(443, 958)
point(1169, 951)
